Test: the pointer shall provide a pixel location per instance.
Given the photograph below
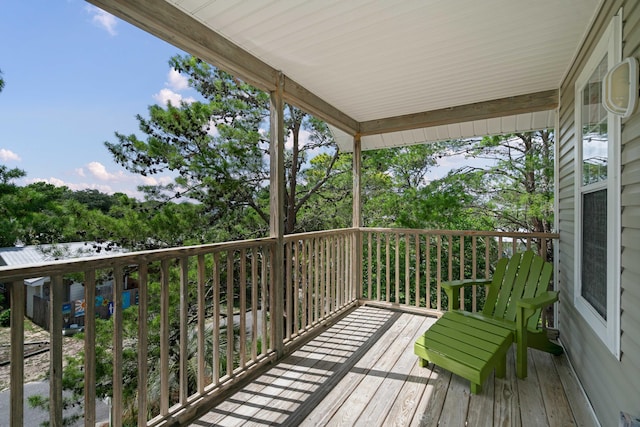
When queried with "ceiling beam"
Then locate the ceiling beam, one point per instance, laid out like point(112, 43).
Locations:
point(297, 95)
point(539, 101)
point(173, 25)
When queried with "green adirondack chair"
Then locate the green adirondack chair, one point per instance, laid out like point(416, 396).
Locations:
point(517, 294)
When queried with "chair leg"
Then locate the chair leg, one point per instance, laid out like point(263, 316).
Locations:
point(423, 362)
point(540, 341)
point(476, 388)
point(521, 360)
point(501, 367)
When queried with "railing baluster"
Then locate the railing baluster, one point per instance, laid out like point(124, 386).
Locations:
point(310, 281)
point(407, 269)
point(369, 266)
point(288, 284)
point(216, 317)
point(438, 273)
point(201, 323)
point(17, 298)
point(184, 330)
point(462, 267)
point(474, 267)
point(143, 348)
point(90, 348)
point(254, 304)
point(378, 266)
point(164, 337)
point(487, 258)
point(326, 244)
point(338, 274)
point(417, 266)
point(55, 357)
point(388, 270)
point(397, 269)
point(118, 348)
point(296, 287)
point(264, 300)
point(428, 272)
point(450, 258)
point(305, 284)
point(243, 308)
point(318, 271)
point(230, 302)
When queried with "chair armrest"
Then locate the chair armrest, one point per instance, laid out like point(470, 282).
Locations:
point(542, 300)
point(527, 307)
point(455, 285)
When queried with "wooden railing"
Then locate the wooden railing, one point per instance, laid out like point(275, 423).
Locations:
point(319, 279)
point(202, 319)
point(206, 315)
point(404, 267)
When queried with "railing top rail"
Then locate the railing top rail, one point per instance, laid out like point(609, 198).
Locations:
point(492, 233)
point(323, 233)
point(12, 273)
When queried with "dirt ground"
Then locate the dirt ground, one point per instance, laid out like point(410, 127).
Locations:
point(35, 367)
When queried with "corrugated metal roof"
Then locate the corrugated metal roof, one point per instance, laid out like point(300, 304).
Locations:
point(35, 254)
point(21, 255)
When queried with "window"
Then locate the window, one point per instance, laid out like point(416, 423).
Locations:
point(597, 209)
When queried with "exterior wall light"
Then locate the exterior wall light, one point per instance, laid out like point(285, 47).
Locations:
point(620, 88)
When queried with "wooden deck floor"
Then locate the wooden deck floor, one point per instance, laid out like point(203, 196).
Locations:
point(362, 371)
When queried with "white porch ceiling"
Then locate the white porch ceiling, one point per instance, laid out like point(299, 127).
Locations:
point(374, 59)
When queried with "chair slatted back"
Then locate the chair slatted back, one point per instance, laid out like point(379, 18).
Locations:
point(524, 275)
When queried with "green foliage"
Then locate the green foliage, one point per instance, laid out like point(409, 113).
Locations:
point(516, 186)
point(217, 148)
point(5, 318)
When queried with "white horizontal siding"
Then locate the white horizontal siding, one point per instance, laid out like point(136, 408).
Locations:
point(612, 385)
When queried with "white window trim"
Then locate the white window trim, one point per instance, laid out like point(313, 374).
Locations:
point(607, 330)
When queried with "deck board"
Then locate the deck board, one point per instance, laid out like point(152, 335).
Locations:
point(362, 371)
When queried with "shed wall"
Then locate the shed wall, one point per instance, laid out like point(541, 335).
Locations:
point(612, 385)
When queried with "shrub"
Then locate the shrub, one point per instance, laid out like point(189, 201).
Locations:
point(5, 318)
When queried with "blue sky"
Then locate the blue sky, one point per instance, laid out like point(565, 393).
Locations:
point(73, 76)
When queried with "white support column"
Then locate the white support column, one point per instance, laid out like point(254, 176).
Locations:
point(276, 213)
point(357, 216)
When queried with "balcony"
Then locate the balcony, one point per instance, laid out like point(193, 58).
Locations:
point(340, 324)
point(362, 371)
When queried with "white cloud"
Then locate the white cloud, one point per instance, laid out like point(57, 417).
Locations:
point(8, 155)
point(177, 81)
point(165, 95)
point(98, 170)
point(102, 19)
point(80, 172)
point(74, 187)
point(161, 180)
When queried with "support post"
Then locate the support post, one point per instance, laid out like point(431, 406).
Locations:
point(357, 216)
point(276, 213)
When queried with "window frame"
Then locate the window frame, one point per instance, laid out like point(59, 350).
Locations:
point(608, 330)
